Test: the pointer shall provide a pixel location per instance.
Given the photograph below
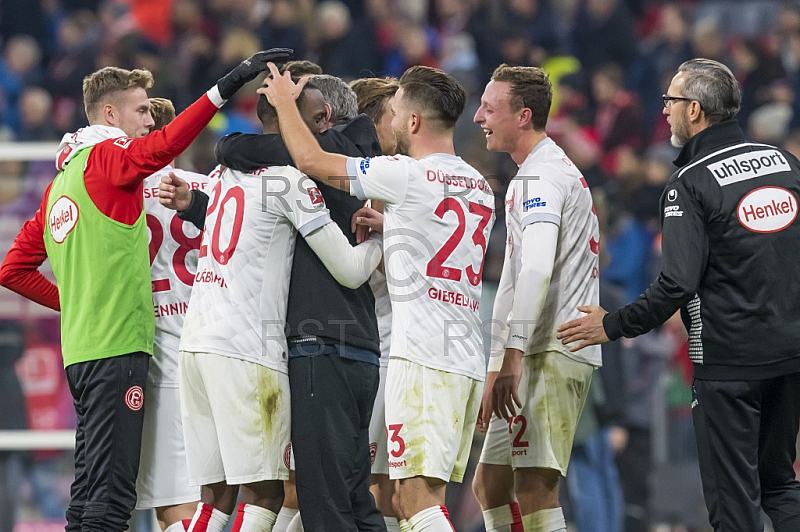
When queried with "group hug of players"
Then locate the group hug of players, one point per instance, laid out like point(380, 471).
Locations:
point(216, 427)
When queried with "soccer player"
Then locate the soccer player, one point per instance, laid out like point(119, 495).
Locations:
point(91, 225)
point(375, 100)
point(163, 480)
point(332, 333)
point(234, 382)
point(550, 268)
point(438, 214)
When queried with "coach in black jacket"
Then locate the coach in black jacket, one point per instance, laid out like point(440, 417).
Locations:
point(731, 264)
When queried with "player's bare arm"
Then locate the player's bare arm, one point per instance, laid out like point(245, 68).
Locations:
point(309, 158)
point(587, 330)
point(174, 193)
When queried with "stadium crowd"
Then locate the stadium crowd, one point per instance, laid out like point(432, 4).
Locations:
point(609, 61)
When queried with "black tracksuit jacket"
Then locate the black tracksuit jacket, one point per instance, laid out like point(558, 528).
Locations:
point(731, 258)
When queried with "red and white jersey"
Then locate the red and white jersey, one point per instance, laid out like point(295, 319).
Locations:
point(383, 311)
point(239, 298)
point(174, 245)
point(550, 188)
point(438, 215)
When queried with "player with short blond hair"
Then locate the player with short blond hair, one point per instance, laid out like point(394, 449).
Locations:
point(535, 386)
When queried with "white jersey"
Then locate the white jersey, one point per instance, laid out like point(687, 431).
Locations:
point(174, 245)
point(550, 188)
point(383, 311)
point(438, 215)
point(238, 304)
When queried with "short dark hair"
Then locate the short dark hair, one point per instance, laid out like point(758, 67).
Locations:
point(268, 114)
point(529, 88)
point(302, 68)
point(437, 95)
point(372, 95)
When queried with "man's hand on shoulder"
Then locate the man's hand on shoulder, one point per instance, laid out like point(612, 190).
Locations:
point(174, 192)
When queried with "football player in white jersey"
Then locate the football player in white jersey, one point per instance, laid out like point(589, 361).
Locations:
point(233, 363)
point(163, 480)
point(438, 213)
point(550, 268)
point(375, 99)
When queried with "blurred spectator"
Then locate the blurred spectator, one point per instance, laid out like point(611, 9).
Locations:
point(770, 123)
point(545, 32)
point(19, 66)
point(658, 56)
point(707, 40)
point(345, 49)
point(618, 118)
point(415, 47)
point(603, 32)
point(35, 106)
point(280, 29)
point(755, 68)
point(12, 417)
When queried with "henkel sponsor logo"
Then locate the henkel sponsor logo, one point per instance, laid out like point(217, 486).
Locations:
point(767, 210)
point(62, 219)
point(748, 165)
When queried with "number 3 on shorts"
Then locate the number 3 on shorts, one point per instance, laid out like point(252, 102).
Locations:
point(393, 438)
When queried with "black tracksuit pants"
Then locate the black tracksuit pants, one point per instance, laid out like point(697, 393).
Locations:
point(746, 434)
point(332, 400)
point(108, 395)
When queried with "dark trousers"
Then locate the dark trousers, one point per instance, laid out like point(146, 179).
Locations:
point(332, 400)
point(746, 433)
point(108, 395)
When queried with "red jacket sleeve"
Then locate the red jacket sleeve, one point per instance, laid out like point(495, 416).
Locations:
point(20, 269)
point(127, 162)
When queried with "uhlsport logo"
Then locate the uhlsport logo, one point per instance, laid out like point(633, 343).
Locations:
point(134, 398)
point(748, 166)
point(62, 219)
point(672, 195)
point(767, 210)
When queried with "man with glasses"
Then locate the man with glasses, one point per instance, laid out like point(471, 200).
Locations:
point(731, 247)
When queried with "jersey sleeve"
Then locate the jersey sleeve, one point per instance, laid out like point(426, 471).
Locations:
point(304, 205)
point(126, 162)
point(541, 196)
point(380, 178)
point(20, 269)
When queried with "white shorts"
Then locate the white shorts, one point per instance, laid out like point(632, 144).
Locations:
point(235, 419)
point(377, 429)
point(553, 390)
point(430, 420)
point(163, 475)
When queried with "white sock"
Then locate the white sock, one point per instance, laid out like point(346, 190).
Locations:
point(175, 527)
point(252, 518)
point(404, 526)
point(498, 519)
point(549, 520)
point(296, 525)
point(285, 517)
point(391, 524)
point(208, 519)
point(433, 519)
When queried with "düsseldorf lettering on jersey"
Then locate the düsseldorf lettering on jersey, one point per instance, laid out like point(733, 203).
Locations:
point(438, 215)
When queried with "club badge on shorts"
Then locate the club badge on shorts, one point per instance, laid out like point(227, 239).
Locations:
point(134, 398)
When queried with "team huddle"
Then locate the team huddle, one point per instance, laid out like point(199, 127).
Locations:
point(317, 348)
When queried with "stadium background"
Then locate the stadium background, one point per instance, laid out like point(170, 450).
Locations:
point(610, 61)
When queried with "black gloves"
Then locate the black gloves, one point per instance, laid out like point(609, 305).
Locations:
point(248, 69)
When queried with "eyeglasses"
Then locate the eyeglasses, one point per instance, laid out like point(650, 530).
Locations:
point(669, 99)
